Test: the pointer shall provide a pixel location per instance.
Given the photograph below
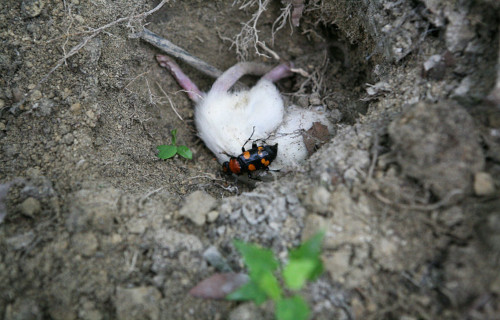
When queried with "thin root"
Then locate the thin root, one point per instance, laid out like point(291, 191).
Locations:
point(169, 100)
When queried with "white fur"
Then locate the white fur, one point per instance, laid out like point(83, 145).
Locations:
point(226, 120)
point(291, 147)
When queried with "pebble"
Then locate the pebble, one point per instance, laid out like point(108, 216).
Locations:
point(317, 199)
point(85, 243)
point(137, 226)
point(177, 241)
point(32, 8)
point(75, 108)
point(212, 215)
point(196, 206)
point(213, 256)
point(30, 207)
point(483, 184)
point(35, 95)
point(434, 67)
point(68, 138)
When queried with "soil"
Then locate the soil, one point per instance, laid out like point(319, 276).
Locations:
point(94, 226)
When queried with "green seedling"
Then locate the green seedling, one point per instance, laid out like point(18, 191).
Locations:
point(168, 151)
point(304, 264)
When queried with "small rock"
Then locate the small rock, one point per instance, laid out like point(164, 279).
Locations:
point(35, 95)
point(137, 226)
point(213, 256)
point(463, 90)
point(212, 215)
point(80, 19)
point(378, 88)
point(196, 206)
point(68, 138)
point(317, 199)
point(434, 67)
point(30, 207)
point(75, 108)
point(32, 8)
point(176, 241)
point(138, 303)
point(90, 114)
point(17, 94)
point(85, 243)
point(483, 184)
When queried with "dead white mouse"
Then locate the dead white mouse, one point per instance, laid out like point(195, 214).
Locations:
point(226, 120)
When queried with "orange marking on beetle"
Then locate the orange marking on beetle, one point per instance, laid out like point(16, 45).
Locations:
point(234, 166)
point(246, 155)
point(259, 150)
point(251, 167)
point(265, 162)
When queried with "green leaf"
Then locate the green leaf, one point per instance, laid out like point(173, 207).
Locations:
point(269, 284)
point(166, 151)
point(185, 152)
point(310, 249)
point(248, 291)
point(257, 259)
point(298, 271)
point(174, 136)
point(294, 308)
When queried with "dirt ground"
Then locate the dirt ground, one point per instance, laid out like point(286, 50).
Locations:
point(94, 226)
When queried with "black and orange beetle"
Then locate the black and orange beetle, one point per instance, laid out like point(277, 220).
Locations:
point(257, 158)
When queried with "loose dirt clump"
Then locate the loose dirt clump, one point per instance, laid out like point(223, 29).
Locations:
point(94, 226)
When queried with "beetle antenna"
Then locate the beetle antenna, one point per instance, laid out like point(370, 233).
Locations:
point(253, 131)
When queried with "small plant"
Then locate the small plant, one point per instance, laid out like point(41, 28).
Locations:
point(304, 264)
point(168, 151)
